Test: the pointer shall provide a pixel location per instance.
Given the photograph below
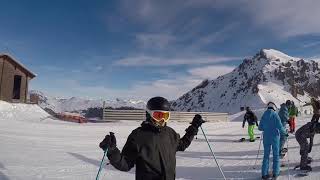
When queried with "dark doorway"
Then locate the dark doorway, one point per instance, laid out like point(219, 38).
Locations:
point(16, 87)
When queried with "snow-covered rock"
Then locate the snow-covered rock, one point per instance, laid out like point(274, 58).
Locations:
point(268, 76)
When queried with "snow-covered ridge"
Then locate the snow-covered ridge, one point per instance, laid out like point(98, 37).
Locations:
point(79, 104)
point(270, 75)
point(273, 54)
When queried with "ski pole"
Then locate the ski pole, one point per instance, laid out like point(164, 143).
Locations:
point(213, 154)
point(261, 137)
point(288, 157)
point(101, 163)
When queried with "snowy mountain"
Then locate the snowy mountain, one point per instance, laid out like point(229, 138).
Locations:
point(79, 104)
point(268, 76)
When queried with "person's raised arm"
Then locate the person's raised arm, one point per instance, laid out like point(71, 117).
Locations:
point(191, 131)
point(125, 160)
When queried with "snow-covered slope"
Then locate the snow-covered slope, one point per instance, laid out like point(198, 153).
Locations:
point(25, 112)
point(78, 104)
point(33, 147)
point(269, 76)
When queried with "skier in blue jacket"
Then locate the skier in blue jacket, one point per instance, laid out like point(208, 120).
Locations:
point(284, 116)
point(272, 128)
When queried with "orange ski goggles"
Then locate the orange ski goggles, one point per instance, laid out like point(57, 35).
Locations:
point(159, 115)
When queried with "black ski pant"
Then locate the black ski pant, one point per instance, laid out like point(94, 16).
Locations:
point(304, 150)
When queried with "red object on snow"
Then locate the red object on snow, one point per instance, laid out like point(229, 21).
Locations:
point(72, 117)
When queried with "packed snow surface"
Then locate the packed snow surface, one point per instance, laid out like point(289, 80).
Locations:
point(34, 146)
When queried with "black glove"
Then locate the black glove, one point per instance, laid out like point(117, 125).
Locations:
point(197, 121)
point(287, 133)
point(109, 142)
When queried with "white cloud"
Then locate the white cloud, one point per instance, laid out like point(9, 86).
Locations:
point(98, 68)
point(311, 44)
point(154, 40)
point(172, 87)
point(214, 37)
point(50, 68)
point(287, 18)
point(155, 14)
point(160, 61)
point(169, 88)
point(211, 72)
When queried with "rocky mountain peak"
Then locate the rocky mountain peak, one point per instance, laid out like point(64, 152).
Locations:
point(270, 75)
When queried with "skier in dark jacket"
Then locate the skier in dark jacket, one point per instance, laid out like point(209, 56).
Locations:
point(252, 121)
point(284, 116)
point(152, 147)
point(306, 131)
point(316, 109)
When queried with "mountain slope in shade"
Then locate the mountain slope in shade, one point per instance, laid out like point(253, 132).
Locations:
point(79, 104)
point(268, 76)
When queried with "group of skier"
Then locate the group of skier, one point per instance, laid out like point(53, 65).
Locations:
point(275, 134)
point(152, 147)
point(287, 113)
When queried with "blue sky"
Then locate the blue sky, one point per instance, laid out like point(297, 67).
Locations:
point(142, 48)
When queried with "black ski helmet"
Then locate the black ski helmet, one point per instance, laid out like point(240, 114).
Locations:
point(288, 103)
point(272, 105)
point(158, 103)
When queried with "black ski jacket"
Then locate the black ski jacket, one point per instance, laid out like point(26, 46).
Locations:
point(152, 150)
point(251, 118)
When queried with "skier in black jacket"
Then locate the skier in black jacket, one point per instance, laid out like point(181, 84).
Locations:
point(153, 146)
point(304, 133)
point(252, 121)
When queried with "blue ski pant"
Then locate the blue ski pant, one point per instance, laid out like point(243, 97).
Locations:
point(268, 144)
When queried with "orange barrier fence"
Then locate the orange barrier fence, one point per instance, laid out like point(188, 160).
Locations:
point(72, 118)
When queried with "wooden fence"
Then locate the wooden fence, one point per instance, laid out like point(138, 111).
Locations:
point(140, 115)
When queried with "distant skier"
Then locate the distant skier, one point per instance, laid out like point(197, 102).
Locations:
point(152, 147)
point(293, 113)
point(284, 116)
point(303, 133)
point(272, 128)
point(252, 121)
point(316, 109)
